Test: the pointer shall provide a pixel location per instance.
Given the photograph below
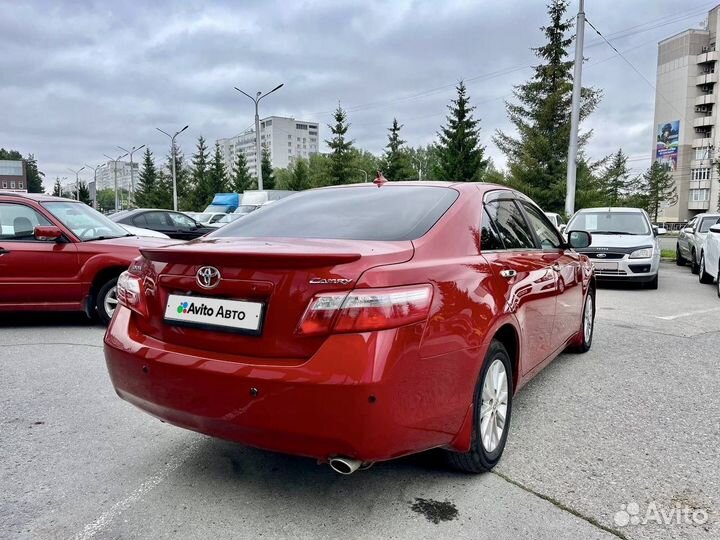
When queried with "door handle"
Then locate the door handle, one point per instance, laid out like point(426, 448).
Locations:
point(507, 274)
point(556, 267)
point(3, 251)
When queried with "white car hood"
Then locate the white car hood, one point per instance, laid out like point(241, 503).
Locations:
point(621, 240)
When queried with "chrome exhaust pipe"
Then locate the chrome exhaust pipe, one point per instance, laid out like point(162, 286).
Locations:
point(344, 465)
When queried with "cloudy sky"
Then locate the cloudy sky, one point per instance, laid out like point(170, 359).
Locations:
point(78, 78)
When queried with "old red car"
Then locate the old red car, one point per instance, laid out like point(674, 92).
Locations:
point(61, 255)
point(355, 324)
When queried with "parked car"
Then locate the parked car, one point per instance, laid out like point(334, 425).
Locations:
point(208, 218)
point(61, 255)
point(690, 240)
point(556, 219)
point(174, 224)
point(625, 244)
point(137, 231)
point(355, 324)
point(709, 271)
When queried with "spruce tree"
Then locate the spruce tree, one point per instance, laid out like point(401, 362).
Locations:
point(340, 148)
point(199, 190)
point(267, 170)
point(659, 187)
point(148, 183)
point(217, 175)
point(34, 176)
point(165, 189)
point(537, 155)
point(241, 180)
point(57, 188)
point(299, 176)
point(84, 193)
point(615, 180)
point(460, 156)
point(396, 164)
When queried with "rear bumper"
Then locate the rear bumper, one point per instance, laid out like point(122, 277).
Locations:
point(366, 396)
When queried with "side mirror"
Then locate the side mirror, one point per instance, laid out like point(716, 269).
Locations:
point(715, 228)
point(662, 230)
point(47, 233)
point(579, 239)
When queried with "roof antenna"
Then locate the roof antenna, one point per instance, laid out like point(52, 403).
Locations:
point(379, 179)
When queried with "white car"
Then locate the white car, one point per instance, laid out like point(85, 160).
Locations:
point(710, 257)
point(556, 220)
point(208, 218)
point(137, 231)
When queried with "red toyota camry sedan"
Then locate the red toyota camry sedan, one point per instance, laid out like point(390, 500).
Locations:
point(355, 324)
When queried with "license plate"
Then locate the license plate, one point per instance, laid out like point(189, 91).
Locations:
point(605, 265)
point(218, 313)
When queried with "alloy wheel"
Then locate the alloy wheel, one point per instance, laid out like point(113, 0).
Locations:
point(110, 302)
point(493, 407)
point(588, 318)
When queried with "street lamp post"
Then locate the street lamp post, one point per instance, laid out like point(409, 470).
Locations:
point(115, 176)
point(77, 181)
point(258, 156)
point(95, 182)
point(132, 170)
point(172, 152)
point(362, 171)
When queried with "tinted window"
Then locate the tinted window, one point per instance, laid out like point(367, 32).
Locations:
point(489, 239)
point(156, 219)
point(511, 225)
point(545, 231)
point(605, 222)
point(352, 213)
point(18, 222)
point(139, 221)
point(182, 221)
point(707, 223)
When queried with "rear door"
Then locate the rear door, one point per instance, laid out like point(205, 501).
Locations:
point(31, 271)
point(160, 222)
point(527, 279)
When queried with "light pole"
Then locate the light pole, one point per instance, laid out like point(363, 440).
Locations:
point(77, 181)
point(115, 176)
point(258, 156)
point(362, 171)
point(575, 112)
point(132, 171)
point(95, 182)
point(172, 152)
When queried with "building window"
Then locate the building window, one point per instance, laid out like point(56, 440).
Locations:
point(702, 153)
point(301, 126)
point(700, 174)
point(12, 184)
point(4, 184)
point(268, 123)
point(20, 185)
point(699, 195)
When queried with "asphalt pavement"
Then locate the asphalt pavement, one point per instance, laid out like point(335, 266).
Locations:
point(622, 442)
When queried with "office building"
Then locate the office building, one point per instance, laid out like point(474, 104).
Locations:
point(13, 175)
point(286, 139)
point(685, 131)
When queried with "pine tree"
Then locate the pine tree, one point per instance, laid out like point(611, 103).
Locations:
point(164, 191)
point(460, 155)
point(241, 180)
point(615, 180)
point(537, 156)
point(217, 175)
point(146, 195)
point(199, 189)
point(659, 187)
point(267, 171)
point(396, 164)
point(57, 188)
point(300, 176)
point(84, 193)
point(340, 149)
point(34, 176)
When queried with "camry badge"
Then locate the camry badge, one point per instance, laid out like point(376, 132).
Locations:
point(329, 281)
point(208, 277)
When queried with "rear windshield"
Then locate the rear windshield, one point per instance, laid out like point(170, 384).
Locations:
point(352, 213)
point(603, 222)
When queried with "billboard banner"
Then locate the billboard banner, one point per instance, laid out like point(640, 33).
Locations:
point(666, 145)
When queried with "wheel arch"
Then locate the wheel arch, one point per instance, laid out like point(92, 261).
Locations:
point(508, 335)
point(98, 280)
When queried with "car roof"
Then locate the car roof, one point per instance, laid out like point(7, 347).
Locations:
point(611, 209)
point(483, 187)
point(39, 197)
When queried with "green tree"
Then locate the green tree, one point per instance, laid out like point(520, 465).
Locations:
point(146, 192)
point(659, 186)
point(57, 188)
point(84, 193)
point(182, 174)
point(396, 164)
point(492, 174)
point(34, 176)
point(241, 181)
point(300, 177)
point(105, 199)
point(268, 177)
point(199, 194)
point(320, 166)
point(537, 156)
point(340, 149)
point(217, 176)
point(424, 161)
point(615, 180)
point(459, 152)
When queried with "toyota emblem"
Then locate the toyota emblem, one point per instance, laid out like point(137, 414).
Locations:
point(208, 277)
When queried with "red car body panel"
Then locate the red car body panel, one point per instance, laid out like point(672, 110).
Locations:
point(58, 276)
point(367, 395)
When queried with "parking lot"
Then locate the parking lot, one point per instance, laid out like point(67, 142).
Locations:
point(632, 425)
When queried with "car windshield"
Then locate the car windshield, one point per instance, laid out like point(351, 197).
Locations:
point(706, 223)
point(245, 208)
point(86, 223)
point(351, 213)
point(605, 222)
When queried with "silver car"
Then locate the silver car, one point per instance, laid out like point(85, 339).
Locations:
point(691, 238)
point(625, 245)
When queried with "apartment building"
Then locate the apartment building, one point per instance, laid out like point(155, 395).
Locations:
point(13, 175)
point(106, 175)
point(685, 135)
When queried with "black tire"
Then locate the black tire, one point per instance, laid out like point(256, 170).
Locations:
point(703, 276)
point(694, 266)
point(679, 259)
point(583, 344)
point(478, 459)
point(653, 283)
point(108, 288)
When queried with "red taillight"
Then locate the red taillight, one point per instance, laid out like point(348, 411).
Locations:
point(364, 310)
point(129, 293)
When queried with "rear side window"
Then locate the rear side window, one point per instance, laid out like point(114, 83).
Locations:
point(352, 213)
point(489, 238)
point(511, 225)
point(156, 219)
